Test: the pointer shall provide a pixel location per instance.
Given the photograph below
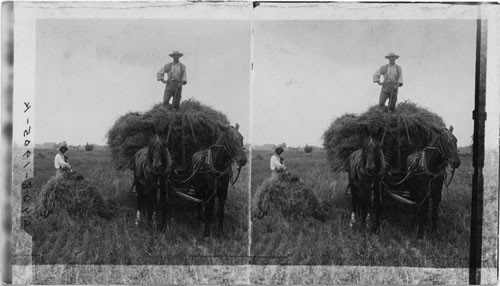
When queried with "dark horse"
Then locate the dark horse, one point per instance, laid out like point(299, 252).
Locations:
point(426, 174)
point(212, 169)
point(366, 168)
point(152, 166)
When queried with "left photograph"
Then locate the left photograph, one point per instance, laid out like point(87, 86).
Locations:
point(140, 151)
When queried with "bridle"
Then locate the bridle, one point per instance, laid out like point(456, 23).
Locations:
point(381, 154)
point(444, 154)
point(211, 167)
point(167, 158)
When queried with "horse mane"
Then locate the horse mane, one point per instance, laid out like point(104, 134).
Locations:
point(228, 141)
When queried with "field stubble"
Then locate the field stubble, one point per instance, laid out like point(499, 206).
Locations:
point(311, 242)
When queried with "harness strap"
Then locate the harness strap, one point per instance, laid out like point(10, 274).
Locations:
point(385, 129)
point(452, 174)
point(170, 126)
point(407, 133)
point(237, 176)
point(192, 130)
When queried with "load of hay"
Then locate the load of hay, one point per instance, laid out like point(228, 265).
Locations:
point(289, 195)
point(415, 130)
point(71, 195)
point(199, 124)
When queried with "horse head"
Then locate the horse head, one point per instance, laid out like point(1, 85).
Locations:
point(232, 140)
point(158, 153)
point(446, 143)
point(372, 156)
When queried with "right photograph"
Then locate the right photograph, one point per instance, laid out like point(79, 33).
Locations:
point(362, 142)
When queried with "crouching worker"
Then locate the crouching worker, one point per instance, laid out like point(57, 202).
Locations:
point(61, 161)
point(277, 163)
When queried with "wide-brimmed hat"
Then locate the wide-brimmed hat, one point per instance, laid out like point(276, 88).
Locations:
point(279, 146)
point(62, 145)
point(392, 55)
point(176, 53)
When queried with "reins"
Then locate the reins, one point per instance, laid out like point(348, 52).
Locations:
point(237, 176)
point(211, 167)
point(422, 162)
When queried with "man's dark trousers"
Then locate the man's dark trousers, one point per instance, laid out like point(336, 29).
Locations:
point(388, 92)
point(172, 89)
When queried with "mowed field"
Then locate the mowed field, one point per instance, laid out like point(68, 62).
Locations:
point(119, 240)
point(311, 242)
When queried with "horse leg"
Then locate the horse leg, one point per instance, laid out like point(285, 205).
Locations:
point(377, 190)
point(364, 201)
point(222, 194)
point(201, 212)
point(140, 202)
point(208, 216)
point(151, 203)
point(354, 193)
point(164, 185)
point(208, 209)
point(436, 199)
point(422, 218)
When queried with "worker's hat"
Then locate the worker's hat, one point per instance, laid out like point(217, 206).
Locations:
point(176, 53)
point(63, 145)
point(278, 147)
point(392, 55)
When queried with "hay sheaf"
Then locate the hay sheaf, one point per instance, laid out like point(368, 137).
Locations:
point(73, 196)
point(199, 124)
point(288, 195)
point(347, 133)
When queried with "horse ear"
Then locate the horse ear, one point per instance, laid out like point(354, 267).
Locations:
point(451, 128)
point(236, 126)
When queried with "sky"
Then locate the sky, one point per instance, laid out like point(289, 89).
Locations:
point(306, 73)
point(309, 72)
point(89, 72)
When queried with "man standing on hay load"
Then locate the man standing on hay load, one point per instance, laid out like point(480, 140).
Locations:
point(60, 161)
point(176, 72)
point(393, 79)
point(277, 163)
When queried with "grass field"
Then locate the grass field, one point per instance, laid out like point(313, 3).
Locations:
point(311, 242)
point(119, 241)
point(274, 239)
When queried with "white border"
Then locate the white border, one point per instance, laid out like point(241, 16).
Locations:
point(26, 14)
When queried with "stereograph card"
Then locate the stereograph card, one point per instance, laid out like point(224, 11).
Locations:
point(250, 143)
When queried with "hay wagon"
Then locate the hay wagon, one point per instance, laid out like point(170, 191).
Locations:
point(397, 173)
point(193, 127)
point(180, 178)
point(410, 128)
